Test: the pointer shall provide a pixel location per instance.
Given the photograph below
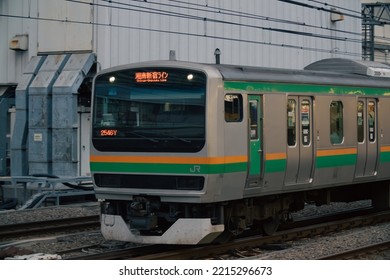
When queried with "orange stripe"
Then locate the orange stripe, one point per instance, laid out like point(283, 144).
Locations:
point(337, 152)
point(385, 149)
point(275, 156)
point(171, 160)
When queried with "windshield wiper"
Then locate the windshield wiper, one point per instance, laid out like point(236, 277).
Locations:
point(175, 137)
point(143, 136)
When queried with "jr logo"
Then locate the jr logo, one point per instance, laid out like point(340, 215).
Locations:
point(195, 169)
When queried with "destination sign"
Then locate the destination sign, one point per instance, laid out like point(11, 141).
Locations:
point(151, 77)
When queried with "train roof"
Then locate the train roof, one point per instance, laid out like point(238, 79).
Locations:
point(348, 66)
point(334, 71)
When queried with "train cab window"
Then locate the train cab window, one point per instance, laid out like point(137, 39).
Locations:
point(336, 122)
point(371, 121)
point(291, 122)
point(233, 108)
point(360, 121)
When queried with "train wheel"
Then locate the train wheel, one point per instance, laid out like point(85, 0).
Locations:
point(270, 225)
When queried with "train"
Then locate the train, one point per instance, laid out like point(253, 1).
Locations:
point(192, 153)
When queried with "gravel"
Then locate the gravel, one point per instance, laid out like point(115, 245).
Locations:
point(47, 213)
point(48, 245)
point(309, 248)
point(322, 246)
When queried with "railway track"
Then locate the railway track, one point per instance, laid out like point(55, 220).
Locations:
point(49, 226)
point(215, 251)
point(360, 252)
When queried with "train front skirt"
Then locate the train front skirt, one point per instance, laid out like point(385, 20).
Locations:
point(183, 231)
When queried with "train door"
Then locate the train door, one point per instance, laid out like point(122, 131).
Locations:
point(299, 140)
point(367, 116)
point(255, 139)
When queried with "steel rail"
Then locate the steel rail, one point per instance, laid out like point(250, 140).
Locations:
point(24, 229)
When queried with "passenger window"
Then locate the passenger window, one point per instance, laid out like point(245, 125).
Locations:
point(291, 122)
point(360, 121)
point(305, 122)
point(233, 108)
point(253, 107)
point(371, 121)
point(336, 122)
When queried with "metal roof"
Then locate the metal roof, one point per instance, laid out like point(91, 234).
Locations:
point(327, 71)
point(348, 66)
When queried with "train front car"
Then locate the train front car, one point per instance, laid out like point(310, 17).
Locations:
point(151, 161)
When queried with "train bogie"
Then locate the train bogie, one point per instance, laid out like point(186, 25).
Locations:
point(190, 153)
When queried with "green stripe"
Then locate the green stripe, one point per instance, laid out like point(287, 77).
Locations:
point(385, 157)
point(325, 89)
point(334, 161)
point(277, 165)
point(321, 162)
point(168, 168)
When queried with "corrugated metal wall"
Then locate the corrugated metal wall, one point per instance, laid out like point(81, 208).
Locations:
point(72, 34)
point(249, 32)
point(13, 22)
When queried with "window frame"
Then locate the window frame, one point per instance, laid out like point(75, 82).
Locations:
point(336, 117)
point(291, 122)
point(230, 115)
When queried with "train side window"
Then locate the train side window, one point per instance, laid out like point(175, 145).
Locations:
point(336, 122)
point(291, 122)
point(233, 108)
point(253, 107)
point(305, 122)
point(360, 121)
point(371, 121)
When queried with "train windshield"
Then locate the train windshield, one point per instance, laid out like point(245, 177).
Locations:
point(149, 110)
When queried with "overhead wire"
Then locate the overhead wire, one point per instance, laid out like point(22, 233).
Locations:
point(335, 6)
point(297, 3)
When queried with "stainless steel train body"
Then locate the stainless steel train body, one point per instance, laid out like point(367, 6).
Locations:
point(186, 153)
